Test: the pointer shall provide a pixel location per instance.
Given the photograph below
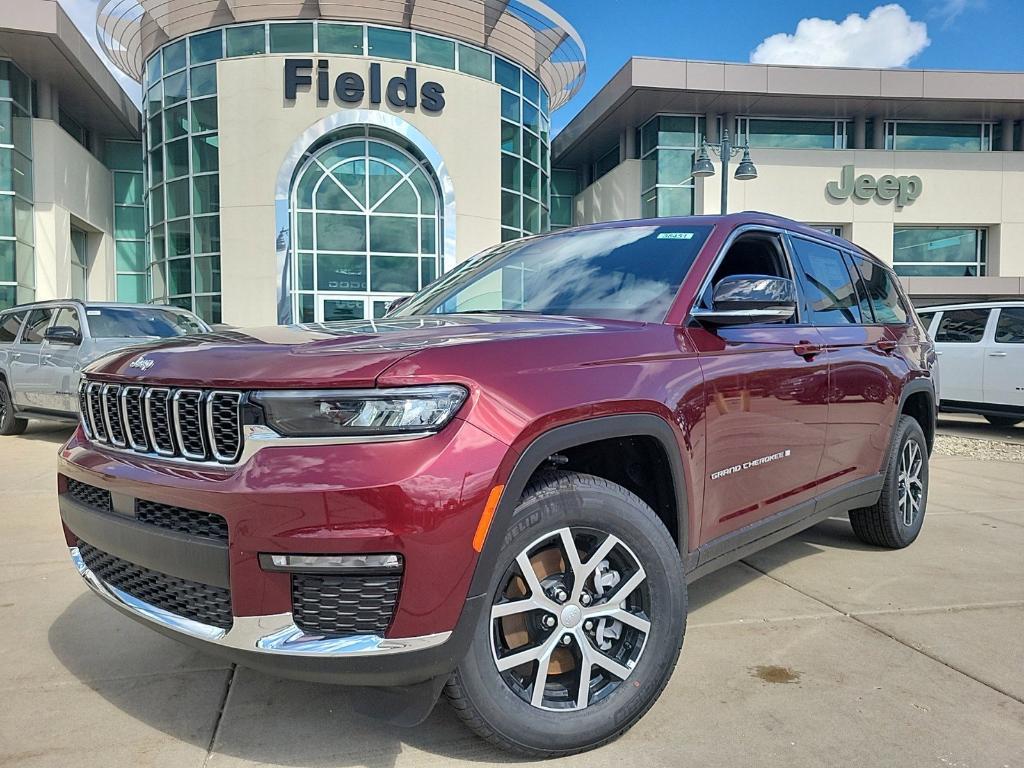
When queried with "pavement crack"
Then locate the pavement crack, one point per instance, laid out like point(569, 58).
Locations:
point(220, 716)
point(904, 643)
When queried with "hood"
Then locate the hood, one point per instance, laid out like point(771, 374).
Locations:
point(345, 354)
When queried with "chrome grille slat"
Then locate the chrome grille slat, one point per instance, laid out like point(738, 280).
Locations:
point(94, 392)
point(186, 424)
point(224, 424)
point(134, 418)
point(112, 415)
point(158, 421)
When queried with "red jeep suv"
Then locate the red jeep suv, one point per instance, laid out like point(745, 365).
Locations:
point(501, 489)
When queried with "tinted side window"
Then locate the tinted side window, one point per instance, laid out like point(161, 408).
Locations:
point(10, 322)
point(68, 317)
point(831, 292)
point(962, 326)
point(926, 319)
point(38, 320)
point(1010, 327)
point(882, 293)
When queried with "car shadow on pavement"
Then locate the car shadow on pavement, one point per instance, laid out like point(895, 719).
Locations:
point(43, 432)
point(286, 722)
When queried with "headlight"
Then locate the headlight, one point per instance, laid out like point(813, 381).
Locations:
point(355, 412)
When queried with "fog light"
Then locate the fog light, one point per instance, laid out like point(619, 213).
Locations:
point(331, 563)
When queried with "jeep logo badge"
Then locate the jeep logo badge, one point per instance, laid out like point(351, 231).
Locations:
point(141, 362)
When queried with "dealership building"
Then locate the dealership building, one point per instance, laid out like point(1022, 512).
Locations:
point(299, 161)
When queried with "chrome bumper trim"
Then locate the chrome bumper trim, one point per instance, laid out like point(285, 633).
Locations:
point(272, 634)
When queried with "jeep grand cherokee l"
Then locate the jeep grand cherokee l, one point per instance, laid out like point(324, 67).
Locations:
point(502, 489)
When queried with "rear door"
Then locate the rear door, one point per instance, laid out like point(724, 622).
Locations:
point(1004, 359)
point(958, 342)
point(863, 379)
point(26, 374)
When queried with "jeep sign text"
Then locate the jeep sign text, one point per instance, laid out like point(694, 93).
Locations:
point(902, 189)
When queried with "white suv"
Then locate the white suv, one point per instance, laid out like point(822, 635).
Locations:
point(981, 348)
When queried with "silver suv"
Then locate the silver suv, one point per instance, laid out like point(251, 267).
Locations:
point(44, 346)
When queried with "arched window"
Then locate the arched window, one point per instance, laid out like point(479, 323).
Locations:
point(366, 227)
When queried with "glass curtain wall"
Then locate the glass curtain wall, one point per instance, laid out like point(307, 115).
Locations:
point(564, 187)
point(668, 144)
point(181, 171)
point(17, 254)
point(124, 159)
point(945, 137)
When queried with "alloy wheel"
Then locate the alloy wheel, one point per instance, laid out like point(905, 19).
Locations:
point(911, 487)
point(570, 619)
point(3, 405)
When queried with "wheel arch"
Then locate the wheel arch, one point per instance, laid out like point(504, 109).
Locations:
point(917, 400)
point(566, 437)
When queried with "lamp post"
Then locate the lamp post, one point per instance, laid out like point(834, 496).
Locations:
point(704, 168)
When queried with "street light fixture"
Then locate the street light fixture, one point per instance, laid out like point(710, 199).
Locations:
point(704, 168)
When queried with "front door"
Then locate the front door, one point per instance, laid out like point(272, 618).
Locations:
point(1004, 360)
point(766, 403)
point(62, 364)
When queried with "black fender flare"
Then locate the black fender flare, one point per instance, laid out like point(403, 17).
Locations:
point(912, 387)
point(567, 436)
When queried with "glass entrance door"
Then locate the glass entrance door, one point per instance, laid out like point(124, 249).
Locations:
point(367, 228)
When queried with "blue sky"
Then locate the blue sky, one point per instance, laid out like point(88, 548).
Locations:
point(961, 34)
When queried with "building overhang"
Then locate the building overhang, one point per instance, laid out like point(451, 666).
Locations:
point(645, 87)
point(44, 42)
point(526, 32)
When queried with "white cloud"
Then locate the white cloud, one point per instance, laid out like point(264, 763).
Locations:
point(83, 14)
point(888, 37)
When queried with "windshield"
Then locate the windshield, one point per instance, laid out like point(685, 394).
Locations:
point(625, 273)
point(141, 322)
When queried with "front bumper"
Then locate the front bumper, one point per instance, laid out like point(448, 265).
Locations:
point(424, 504)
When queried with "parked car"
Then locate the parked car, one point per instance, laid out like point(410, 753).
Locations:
point(981, 348)
point(502, 489)
point(44, 346)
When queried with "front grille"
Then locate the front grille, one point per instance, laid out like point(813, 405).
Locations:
point(192, 424)
point(337, 606)
point(90, 495)
point(188, 599)
point(187, 521)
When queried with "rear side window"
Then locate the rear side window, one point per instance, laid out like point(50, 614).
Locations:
point(38, 320)
point(10, 322)
point(1010, 327)
point(883, 294)
point(962, 326)
point(831, 291)
point(926, 319)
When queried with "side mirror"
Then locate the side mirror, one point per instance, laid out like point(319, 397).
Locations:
point(63, 334)
point(745, 299)
point(395, 304)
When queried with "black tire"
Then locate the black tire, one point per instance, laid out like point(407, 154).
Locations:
point(885, 523)
point(593, 509)
point(9, 423)
point(1003, 421)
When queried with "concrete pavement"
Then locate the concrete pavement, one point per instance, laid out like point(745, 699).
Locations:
point(817, 651)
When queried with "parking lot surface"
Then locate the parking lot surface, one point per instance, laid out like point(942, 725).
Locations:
point(817, 651)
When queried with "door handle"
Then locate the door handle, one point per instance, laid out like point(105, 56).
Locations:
point(807, 350)
point(886, 345)
point(997, 354)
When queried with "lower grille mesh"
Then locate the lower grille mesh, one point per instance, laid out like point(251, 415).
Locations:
point(344, 605)
point(188, 521)
point(90, 495)
point(189, 599)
